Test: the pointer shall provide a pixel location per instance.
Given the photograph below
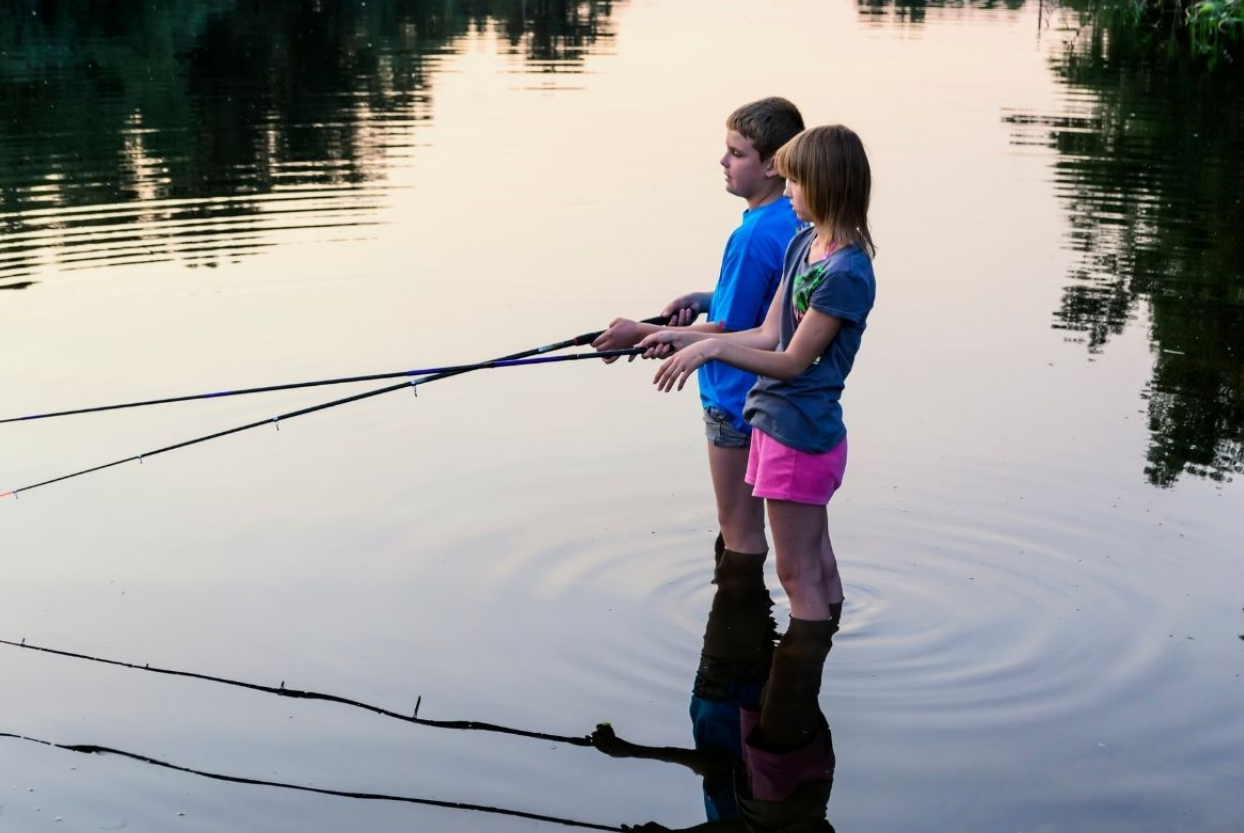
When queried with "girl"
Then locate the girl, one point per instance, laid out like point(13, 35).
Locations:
point(802, 353)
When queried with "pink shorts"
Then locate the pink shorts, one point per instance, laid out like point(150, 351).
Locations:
point(774, 776)
point(779, 472)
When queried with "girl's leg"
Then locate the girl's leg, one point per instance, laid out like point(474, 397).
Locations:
point(740, 515)
point(805, 560)
point(790, 713)
point(833, 583)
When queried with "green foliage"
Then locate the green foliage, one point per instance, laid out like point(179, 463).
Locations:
point(1151, 181)
point(1210, 30)
point(1216, 27)
point(205, 105)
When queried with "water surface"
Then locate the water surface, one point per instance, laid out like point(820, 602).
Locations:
point(1039, 532)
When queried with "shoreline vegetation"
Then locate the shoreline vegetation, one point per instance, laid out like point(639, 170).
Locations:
point(1209, 30)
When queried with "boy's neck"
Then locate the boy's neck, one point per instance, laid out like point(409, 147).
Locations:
point(771, 193)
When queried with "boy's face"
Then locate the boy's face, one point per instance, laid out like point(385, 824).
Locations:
point(746, 175)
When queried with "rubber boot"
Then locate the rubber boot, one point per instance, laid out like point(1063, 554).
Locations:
point(719, 546)
point(740, 634)
point(790, 714)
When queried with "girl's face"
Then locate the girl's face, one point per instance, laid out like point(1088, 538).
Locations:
point(796, 200)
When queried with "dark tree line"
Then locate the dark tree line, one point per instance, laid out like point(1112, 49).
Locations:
point(230, 98)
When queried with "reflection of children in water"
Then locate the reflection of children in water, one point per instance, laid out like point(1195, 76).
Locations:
point(762, 744)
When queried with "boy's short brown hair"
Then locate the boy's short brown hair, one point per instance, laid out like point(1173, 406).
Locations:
point(768, 124)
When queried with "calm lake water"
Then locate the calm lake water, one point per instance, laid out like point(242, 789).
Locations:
point(1040, 532)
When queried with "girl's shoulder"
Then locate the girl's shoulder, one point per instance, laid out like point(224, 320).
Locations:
point(797, 248)
point(851, 259)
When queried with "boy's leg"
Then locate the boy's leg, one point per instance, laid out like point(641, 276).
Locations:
point(740, 514)
point(805, 560)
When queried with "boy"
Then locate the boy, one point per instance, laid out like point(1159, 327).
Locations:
point(751, 269)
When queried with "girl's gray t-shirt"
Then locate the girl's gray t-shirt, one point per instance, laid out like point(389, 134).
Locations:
point(805, 412)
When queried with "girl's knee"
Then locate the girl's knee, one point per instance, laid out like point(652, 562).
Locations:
point(797, 572)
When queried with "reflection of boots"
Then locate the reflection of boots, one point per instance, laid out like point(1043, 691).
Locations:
point(740, 634)
point(719, 546)
point(790, 715)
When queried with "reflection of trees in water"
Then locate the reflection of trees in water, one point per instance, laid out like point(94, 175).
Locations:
point(914, 11)
point(1149, 170)
point(184, 113)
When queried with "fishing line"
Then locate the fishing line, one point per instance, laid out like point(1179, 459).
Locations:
point(91, 749)
point(577, 341)
point(276, 420)
point(464, 725)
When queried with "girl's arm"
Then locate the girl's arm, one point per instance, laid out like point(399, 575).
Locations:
point(731, 826)
point(765, 337)
point(814, 334)
point(623, 333)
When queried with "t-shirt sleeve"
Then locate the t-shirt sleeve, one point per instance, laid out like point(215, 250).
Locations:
point(749, 277)
point(847, 295)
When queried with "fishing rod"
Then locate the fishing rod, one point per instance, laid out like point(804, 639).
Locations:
point(282, 691)
point(91, 749)
point(577, 341)
point(443, 373)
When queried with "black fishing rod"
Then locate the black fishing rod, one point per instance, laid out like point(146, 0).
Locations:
point(92, 749)
point(282, 691)
point(443, 373)
point(577, 341)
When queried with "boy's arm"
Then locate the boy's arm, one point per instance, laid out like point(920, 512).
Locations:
point(702, 762)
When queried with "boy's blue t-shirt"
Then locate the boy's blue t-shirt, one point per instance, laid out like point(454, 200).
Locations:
point(805, 413)
point(751, 270)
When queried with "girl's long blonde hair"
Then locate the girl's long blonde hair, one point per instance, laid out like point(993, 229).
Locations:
point(830, 166)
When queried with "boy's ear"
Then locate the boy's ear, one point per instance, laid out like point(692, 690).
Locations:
point(771, 167)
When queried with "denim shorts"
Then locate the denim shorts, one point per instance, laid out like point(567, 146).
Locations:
point(720, 430)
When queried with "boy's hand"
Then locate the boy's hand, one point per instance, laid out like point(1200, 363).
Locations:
point(604, 739)
point(622, 333)
point(685, 309)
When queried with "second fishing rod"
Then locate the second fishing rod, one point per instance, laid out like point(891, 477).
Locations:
point(440, 372)
point(525, 357)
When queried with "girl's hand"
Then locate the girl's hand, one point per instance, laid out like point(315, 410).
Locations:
point(679, 367)
point(663, 343)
